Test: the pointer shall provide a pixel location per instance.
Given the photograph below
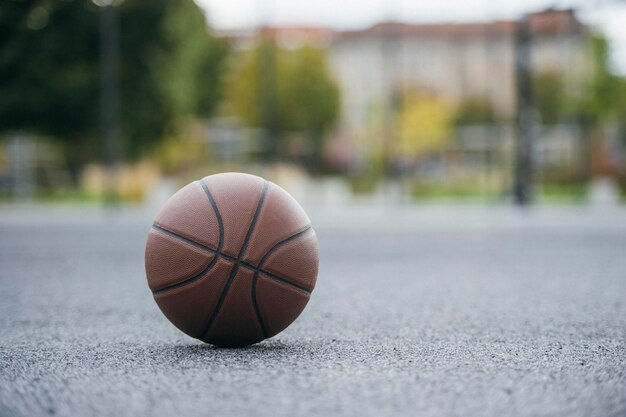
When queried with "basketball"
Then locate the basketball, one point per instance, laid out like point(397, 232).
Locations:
point(231, 259)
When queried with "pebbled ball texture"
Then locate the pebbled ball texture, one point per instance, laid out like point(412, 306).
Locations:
point(232, 259)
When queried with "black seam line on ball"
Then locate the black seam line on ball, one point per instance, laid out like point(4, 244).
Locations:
point(198, 245)
point(244, 264)
point(183, 239)
point(200, 274)
point(255, 303)
point(284, 281)
point(220, 223)
point(282, 243)
point(244, 246)
point(259, 269)
point(235, 267)
point(187, 281)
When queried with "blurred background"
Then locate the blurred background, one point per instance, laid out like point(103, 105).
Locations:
point(123, 101)
point(411, 132)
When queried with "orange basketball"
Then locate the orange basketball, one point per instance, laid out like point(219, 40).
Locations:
point(232, 259)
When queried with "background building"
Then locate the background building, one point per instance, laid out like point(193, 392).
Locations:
point(457, 62)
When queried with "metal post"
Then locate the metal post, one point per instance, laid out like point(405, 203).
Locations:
point(268, 83)
point(268, 106)
point(109, 94)
point(390, 51)
point(526, 116)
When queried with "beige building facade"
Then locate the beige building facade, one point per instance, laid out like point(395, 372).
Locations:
point(456, 62)
point(453, 61)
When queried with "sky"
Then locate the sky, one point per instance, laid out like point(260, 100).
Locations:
point(609, 16)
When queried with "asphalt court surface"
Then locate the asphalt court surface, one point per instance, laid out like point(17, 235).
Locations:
point(417, 312)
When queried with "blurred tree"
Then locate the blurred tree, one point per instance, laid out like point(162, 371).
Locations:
point(602, 102)
point(603, 98)
point(183, 153)
point(171, 68)
point(304, 98)
point(621, 111)
point(474, 111)
point(424, 125)
point(252, 92)
point(549, 97)
point(49, 66)
point(312, 96)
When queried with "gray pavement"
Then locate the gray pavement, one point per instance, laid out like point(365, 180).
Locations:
point(430, 311)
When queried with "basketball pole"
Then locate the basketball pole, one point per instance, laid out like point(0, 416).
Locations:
point(109, 96)
point(524, 170)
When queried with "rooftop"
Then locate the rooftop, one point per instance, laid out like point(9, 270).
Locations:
point(545, 23)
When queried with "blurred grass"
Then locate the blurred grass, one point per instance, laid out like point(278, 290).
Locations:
point(550, 193)
point(361, 186)
point(455, 192)
point(64, 196)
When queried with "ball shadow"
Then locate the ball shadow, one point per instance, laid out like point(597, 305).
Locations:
point(199, 349)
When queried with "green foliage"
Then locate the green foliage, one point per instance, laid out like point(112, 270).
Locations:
point(424, 125)
point(285, 90)
point(601, 100)
point(182, 152)
point(169, 74)
point(474, 111)
point(307, 91)
point(549, 97)
point(606, 96)
point(48, 66)
point(246, 92)
point(621, 111)
point(602, 96)
point(49, 71)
